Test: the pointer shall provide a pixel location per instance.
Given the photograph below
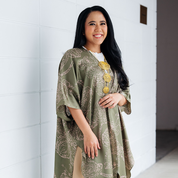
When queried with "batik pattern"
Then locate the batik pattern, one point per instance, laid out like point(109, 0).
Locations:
point(80, 84)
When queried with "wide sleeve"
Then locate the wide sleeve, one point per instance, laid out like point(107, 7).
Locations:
point(127, 107)
point(68, 92)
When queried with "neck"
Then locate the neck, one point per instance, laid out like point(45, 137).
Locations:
point(95, 49)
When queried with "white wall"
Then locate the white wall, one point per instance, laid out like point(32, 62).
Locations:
point(167, 99)
point(34, 35)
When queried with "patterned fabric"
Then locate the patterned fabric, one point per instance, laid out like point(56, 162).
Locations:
point(80, 84)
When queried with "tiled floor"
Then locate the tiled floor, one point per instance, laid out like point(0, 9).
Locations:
point(166, 156)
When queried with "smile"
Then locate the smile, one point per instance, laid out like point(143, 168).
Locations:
point(97, 36)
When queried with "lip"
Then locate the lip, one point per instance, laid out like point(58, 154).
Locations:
point(98, 34)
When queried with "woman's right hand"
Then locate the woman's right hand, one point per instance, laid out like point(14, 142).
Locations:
point(91, 144)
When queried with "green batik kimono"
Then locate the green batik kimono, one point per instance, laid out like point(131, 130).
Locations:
point(80, 85)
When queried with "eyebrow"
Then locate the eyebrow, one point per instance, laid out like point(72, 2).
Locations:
point(95, 21)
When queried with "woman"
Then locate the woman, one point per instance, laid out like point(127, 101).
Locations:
point(93, 89)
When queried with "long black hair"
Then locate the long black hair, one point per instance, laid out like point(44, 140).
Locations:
point(109, 47)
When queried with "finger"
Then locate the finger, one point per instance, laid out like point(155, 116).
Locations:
point(98, 146)
point(106, 102)
point(96, 151)
point(112, 104)
point(88, 150)
point(104, 98)
point(109, 104)
point(103, 101)
point(92, 152)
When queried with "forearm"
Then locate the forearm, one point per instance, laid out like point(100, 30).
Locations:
point(80, 119)
point(123, 100)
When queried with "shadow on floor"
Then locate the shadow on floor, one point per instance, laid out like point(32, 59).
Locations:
point(166, 141)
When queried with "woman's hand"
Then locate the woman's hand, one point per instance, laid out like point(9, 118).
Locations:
point(91, 144)
point(111, 100)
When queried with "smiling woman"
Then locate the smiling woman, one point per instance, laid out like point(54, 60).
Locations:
point(95, 31)
point(92, 91)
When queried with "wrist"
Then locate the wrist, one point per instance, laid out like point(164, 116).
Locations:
point(122, 101)
point(87, 131)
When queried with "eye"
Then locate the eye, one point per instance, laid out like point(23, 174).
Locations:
point(92, 24)
point(103, 23)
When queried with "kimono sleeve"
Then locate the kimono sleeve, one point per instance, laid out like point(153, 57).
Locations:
point(67, 87)
point(127, 107)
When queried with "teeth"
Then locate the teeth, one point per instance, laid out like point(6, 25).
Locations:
point(97, 35)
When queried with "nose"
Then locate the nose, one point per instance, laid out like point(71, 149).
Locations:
point(97, 27)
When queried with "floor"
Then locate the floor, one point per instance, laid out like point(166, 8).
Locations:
point(166, 141)
point(166, 165)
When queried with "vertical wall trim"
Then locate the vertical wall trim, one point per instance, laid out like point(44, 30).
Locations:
point(39, 57)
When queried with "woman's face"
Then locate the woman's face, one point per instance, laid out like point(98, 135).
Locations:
point(95, 29)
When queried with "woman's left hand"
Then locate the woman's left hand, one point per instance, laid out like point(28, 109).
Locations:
point(111, 100)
